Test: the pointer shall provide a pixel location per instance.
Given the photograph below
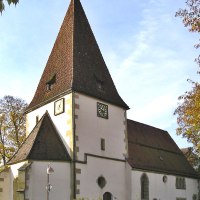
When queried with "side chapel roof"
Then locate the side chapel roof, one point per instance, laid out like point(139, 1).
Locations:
point(76, 64)
point(38, 145)
point(153, 149)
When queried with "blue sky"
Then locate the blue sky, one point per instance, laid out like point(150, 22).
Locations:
point(149, 53)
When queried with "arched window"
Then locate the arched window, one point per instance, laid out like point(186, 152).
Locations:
point(107, 196)
point(144, 187)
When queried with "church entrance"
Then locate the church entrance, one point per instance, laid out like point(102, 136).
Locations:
point(107, 196)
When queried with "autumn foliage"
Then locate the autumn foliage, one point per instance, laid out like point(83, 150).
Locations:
point(191, 19)
point(12, 126)
point(188, 110)
point(188, 115)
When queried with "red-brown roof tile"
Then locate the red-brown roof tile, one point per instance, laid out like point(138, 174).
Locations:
point(153, 149)
point(76, 64)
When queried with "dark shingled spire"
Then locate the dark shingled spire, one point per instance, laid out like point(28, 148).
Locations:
point(76, 64)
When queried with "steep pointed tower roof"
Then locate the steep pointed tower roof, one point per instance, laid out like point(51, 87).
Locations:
point(75, 64)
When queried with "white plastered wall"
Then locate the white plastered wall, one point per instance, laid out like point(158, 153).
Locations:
point(37, 181)
point(113, 171)
point(109, 163)
point(90, 129)
point(160, 190)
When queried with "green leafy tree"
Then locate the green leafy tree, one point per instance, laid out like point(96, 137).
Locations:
point(2, 4)
point(12, 125)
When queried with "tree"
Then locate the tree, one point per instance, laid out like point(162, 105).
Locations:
point(2, 4)
point(191, 19)
point(12, 125)
point(188, 110)
point(188, 116)
point(192, 157)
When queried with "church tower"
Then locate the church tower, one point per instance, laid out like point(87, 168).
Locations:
point(79, 94)
point(79, 142)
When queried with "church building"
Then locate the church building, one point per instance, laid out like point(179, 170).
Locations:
point(80, 143)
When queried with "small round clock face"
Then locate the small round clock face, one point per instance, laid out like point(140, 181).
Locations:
point(59, 107)
point(102, 110)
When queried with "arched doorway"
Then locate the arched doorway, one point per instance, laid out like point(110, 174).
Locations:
point(107, 196)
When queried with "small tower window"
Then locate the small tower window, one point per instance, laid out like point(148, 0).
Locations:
point(48, 86)
point(50, 83)
point(103, 144)
point(99, 83)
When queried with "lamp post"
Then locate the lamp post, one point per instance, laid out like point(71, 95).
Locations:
point(49, 186)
